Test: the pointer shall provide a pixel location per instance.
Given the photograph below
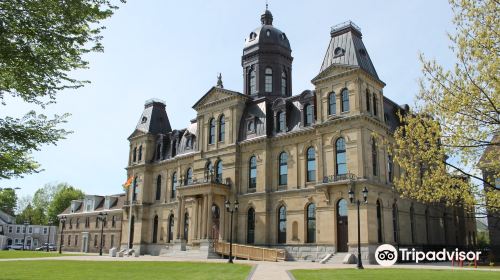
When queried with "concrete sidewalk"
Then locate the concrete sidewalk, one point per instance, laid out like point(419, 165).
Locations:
point(262, 270)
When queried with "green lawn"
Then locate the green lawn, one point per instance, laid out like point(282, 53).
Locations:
point(74, 270)
point(30, 254)
point(391, 274)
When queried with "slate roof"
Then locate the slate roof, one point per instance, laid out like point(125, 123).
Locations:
point(346, 48)
point(154, 118)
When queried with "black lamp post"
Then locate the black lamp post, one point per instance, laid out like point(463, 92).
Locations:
point(63, 225)
point(24, 240)
point(101, 217)
point(358, 202)
point(48, 236)
point(231, 210)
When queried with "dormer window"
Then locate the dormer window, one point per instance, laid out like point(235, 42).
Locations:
point(251, 126)
point(252, 84)
point(189, 142)
point(89, 205)
point(144, 119)
point(308, 118)
point(338, 52)
point(281, 119)
point(268, 33)
point(253, 35)
point(283, 36)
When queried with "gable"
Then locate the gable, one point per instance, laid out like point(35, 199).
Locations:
point(215, 95)
point(333, 70)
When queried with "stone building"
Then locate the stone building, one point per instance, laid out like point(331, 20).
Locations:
point(290, 161)
point(36, 235)
point(82, 228)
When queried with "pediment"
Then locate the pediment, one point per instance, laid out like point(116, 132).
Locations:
point(333, 70)
point(215, 95)
point(136, 133)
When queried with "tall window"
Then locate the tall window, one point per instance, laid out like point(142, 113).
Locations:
point(308, 118)
point(368, 101)
point(218, 171)
point(283, 169)
point(174, 185)
point(268, 80)
point(252, 173)
point(345, 100)
point(395, 222)
point(374, 104)
point(374, 158)
point(282, 224)
point(134, 155)
point(412, 224)
point(340, 157)
point(158, 187)
point(379, 222)
point(222, 128)
point(155, 229)
point(311, 165)
point(208, 170)
point(283, 83)
point(171, 228)
point(211, 132)
point(281, 121)
point(252, 85)
point(135, 191)
point(311, 223)
point(189, 176)
point(158, 151)
point(186, 226)
point(332, 104)
point(174, 148)
point(390, 168)
point(251, 226)
point(113, 221)
point(140, 153)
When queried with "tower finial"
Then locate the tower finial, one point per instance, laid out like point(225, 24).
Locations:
point(266, 18)
point(267, 5)
point(219, 81)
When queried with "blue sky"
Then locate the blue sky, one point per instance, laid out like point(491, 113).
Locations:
point(173, 50)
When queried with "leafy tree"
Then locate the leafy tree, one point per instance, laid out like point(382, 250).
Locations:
point(456, 116)
point(8, 201)
point(32, 215)
point(62, 200)
point(41, 41)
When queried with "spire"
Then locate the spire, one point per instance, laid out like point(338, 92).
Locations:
point(219, 81)
point(266, 18)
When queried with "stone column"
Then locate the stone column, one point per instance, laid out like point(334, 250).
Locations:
point(204, 217)
point(200, 218)
point(209, 216)
point(194, 225)
point(180, 219)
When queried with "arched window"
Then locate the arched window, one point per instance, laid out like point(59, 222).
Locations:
point(311, 165)
point(311, 223)
point(186, 226)
point(134, 190)
point(374, 104)
point(308, 117)
point(332, 104)
point(222, 128)
point(158, 187)
point(345, 100)
point(412, 224)
point(158, 151)
point(189, 176)
point(155, 229)
point(281, 121)
point(268, 80)
point(368, 101)
point(282, 224)
point(171, 228)
point(340, 157)
point(211, 132)
point(251, 226)
point(218, 171)
point(283, 169)
point(140, 153)
point(252, 85)
point(395, 222)
point(174, 185)
point(374, 158)
point(283, 83)
point(252, 173)
point(134, 155)
point(390, 168)
point(379, 222)
point(189, 142)
point(208, 170)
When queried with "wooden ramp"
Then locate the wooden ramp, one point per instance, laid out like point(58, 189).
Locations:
point(250, 252)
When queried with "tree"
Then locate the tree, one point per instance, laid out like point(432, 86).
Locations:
point(31, 215)
point(41, 41)
point(8, 201)
point(62, 200)
point(456, 116)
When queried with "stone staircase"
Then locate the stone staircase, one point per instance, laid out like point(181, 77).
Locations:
point(336, 258)
point(191, 252)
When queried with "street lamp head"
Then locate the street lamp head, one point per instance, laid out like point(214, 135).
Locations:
point(351, 195)
point(226, 204)
point(236, 205)
point(365, 194)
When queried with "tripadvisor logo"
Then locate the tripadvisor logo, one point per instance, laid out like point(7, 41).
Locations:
point(387, 255)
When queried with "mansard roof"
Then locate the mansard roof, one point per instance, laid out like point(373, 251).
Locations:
point(154, 119)
point(346, 48)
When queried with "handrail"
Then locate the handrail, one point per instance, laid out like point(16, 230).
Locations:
point(250, 252)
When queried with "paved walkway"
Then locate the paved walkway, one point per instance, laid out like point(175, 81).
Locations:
point(262, 270)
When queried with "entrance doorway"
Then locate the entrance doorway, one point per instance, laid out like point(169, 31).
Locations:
point(215, 221)
point(342, 226)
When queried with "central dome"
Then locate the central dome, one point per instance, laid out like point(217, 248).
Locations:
point(267, 34)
